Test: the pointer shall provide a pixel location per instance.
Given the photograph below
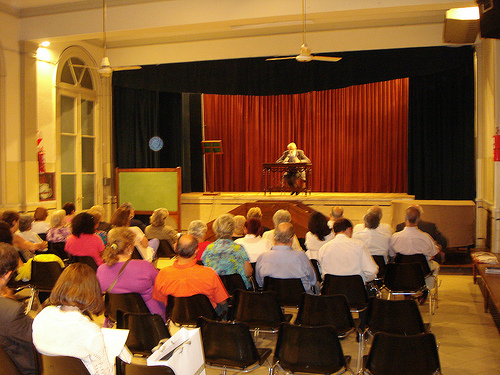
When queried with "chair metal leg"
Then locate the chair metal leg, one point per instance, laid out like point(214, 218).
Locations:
point(360, 351)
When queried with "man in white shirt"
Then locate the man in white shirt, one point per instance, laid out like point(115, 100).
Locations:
point(412, 240)
point(382, 227)
point(282, 216)
point(252, 242)
point(377, 242)
point(346, 256)
point(336, 213)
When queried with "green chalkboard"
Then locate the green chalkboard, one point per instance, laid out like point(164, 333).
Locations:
point(150, 188)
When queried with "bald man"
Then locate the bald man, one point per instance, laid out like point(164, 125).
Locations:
point(292, 176)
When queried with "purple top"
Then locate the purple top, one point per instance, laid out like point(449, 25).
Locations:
point(137, 277)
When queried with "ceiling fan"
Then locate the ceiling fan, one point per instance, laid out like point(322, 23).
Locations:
point(305, 52)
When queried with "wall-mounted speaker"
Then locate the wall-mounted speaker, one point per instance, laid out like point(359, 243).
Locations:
point(489, 18)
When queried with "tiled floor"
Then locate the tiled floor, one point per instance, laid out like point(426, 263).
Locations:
point(469, 342)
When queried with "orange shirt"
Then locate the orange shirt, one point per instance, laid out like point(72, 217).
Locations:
point(189, 279)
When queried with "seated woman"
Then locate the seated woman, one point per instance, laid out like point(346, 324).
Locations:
point(131, 275)
point(97, 219)
point(83, 241)
point(158, 227)
point(70, 209)
point(26, 248)
point(58, 231)
point(198, 229)
point(25, 230)
point(147, 249)
point(65, 326)
point(40, 225)
point(239, 227)
point(252, 242)
point(225, 256)
point(103, 225)
point(319, 234)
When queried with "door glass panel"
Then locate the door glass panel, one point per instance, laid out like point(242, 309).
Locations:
point(87, 154)
point(68, 185)
point(87, 191)
point(87, 117)
point(68, 153)
point(67, 114)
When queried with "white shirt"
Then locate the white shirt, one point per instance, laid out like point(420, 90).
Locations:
point(70, 333)
point(382, 228)
point(412, 240)
point(313, 244)
point(40, 226)
point(30, 236)
point(269, 235)
point(254, 246)
point(377, 242)
point(347, 256)
point(147, 253)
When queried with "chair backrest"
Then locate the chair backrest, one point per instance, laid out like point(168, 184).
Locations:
point(382, 267)
point(401, 317)
point(62, 365)
point(326, 310)
point(289, 291)
point(352, 286)
point(315, 264)
point(165, 250)
point(43, 236)
point(414, 258)
point(233, 282)
point(57, 248)
point(118, 304)
point(227, 343)
point(7, 365)
point(258, 309)
point(404, 277)
point(136, 254)
point(146, 330)
point(134, 368)
point(187, 310)
point(397, 354)
point(309, 349)
point(44, 275)
point(88, 260)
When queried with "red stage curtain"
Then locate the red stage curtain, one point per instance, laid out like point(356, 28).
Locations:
point(356, 137)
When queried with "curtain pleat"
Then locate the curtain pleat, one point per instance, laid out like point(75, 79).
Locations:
point(356, 137)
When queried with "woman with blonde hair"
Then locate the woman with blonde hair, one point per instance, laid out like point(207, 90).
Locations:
point(131, 275)
point(65, 326)
point(158, 227)
point(58, 231)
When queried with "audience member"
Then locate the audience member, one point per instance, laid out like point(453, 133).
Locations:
point(147, 249)
point(256, 213)
point(103, 225)
point(15, 326)
point(282, 216)
point(412, 240)
point(97, 219)
point(133, 221)
point(292, 175)
point(186, 278)
point(382, 227)
point(319, 234)
point(65, 326)
point(40, 225)
point(83, 241)
point(346, 256)
point(58, 231)
point(282, 262)
point(70, 209)
point(377, 242)
point(128, 275)
point(336, 213)
point(239, 224)
point(5, 233)
point(159, 229)
point(225, 256)
point(198, 229)
point(26, 248)
point(25, 230)
point(253, 243)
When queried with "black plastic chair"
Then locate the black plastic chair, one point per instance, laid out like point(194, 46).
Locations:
point(7, 365)
point(57, 248)
point(414, 258)
point(123, 368)
point(88, 260)
point(43, 236)
point(315, 264)
point(261, 311)
point(310, 350)
point(409, 355)
point(405, 279)
point(233, 282)
point(185, 311)
point(289, 291)
point(118, 304)
point(146, 330)
point(352, 286)
point(43, 278)
point(165, 250)
point(326, 310)
point(62, 365)
point(136, 254)
point(382, 267)
point(229, 345)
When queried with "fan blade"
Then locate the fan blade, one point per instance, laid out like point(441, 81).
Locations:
point(326, 58)
point(132, 67)
point(281, 58)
